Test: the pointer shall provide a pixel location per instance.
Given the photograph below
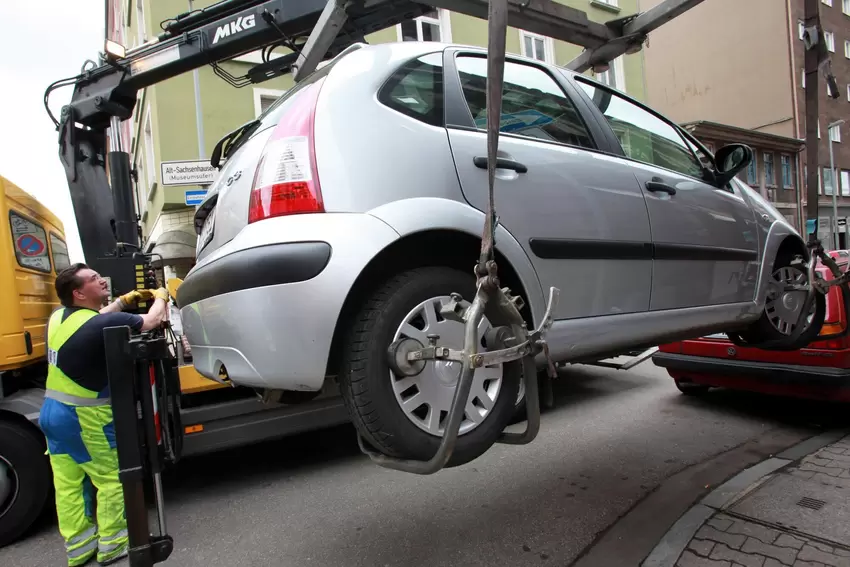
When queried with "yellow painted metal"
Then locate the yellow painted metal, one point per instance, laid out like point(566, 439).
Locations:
point(27, 296)
point(191, 382)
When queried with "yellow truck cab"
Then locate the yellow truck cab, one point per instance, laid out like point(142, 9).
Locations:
point(32, 252)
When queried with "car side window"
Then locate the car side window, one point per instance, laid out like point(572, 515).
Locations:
point(416, 89)
point(642, 135)
point(533, 105)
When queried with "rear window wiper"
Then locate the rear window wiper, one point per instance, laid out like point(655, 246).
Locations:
point(228, 144)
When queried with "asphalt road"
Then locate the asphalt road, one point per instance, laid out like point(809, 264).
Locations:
point(314, 500)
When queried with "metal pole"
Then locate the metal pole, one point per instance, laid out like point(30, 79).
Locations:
point(834, 182)
point(812, 18)
point(199, 118)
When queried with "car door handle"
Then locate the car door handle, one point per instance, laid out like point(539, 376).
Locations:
point(656, 184)
point(501, 163)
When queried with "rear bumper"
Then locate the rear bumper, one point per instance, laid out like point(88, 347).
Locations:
point(265, 305)
point(772, 373)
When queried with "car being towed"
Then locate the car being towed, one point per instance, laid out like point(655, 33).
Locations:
point(351, 210)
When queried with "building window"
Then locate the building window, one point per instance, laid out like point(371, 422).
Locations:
point(827, 2)
point(848, 92)
point(786, 171)
point(847, 49)
point(801, 28)
point(433, 26)
point(803, 77)
point(829, 38)
point(769, 170)
point(846, 7)
point(536, 46)
point(845, 183)
point(753, 172)
point(827, 181)
point(835, 134)
point(150, 164)
point(141, 29)
point(615, 76)
point(609, 2)
point(264, 98)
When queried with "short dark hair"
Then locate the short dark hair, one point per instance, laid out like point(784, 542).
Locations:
point(67, 282)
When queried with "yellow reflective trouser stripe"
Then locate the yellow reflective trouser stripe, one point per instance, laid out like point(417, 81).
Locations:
point(79, 555)
point(75, 400)
point(83, 537)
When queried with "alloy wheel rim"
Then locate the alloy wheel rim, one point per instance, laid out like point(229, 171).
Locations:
point(783, 307)
point(425, 399)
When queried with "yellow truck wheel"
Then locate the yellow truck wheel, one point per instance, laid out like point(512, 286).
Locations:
point(25, 479)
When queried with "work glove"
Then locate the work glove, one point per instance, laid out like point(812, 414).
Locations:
point(129, 299)
point(161, 293)
point(146, 294)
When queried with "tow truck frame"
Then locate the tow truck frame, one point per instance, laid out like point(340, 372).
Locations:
point(106, 95)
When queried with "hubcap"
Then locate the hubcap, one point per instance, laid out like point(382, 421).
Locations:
point(8, 486)
point(783, 307)
point(427, 397)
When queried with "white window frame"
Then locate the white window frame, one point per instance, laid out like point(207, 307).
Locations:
point(258, 98)
point(844, 175)
point(829, 38)
point(827, 2)
point(848, 92)
point(610, 2)
point(443, 20)
point(835, 134)
point(831, 182)
point(619, 75)
point(141, 29)
point(803, 77)
point(150, 155)
point(847, 48)
point(548, 46)
point(845, 7)
point(801, 29)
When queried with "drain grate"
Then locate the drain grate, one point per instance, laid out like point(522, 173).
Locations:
point(812, 503)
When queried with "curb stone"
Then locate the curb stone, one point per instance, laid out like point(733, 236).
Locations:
point(675, 543)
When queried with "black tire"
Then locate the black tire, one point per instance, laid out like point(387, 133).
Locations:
point(763, 331)
point(691, 389)
point(364, 379)
point(23, 448)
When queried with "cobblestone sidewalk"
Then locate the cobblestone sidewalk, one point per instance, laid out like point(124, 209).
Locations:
point(733, 539)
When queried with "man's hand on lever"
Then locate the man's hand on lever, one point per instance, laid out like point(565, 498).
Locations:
point(156, 314)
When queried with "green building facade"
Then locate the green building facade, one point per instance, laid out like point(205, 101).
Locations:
point(164, 126)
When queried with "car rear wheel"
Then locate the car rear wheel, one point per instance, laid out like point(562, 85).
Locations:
point(691, 389)
point(405, 416)
point(782, 309)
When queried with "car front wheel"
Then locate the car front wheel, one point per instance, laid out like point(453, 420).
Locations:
point(782, 309)
point(405, 416)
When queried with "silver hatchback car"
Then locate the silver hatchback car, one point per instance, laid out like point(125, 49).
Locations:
point(349, 212)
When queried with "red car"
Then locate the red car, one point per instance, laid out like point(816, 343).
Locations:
point(819, 371)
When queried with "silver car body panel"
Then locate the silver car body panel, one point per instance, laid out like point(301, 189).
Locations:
point(385, 176)
point(280, 335)
point(427, 213)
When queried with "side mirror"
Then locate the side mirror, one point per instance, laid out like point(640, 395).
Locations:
point(729, 161)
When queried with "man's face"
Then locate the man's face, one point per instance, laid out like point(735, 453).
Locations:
point(94, 288)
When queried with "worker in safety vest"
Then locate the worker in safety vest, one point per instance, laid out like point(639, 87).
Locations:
point(76, 417)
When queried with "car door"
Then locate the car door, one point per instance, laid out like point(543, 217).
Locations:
point(577, 211)
point(704, 237)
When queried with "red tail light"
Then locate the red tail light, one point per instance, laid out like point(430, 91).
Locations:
point(286, 181)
